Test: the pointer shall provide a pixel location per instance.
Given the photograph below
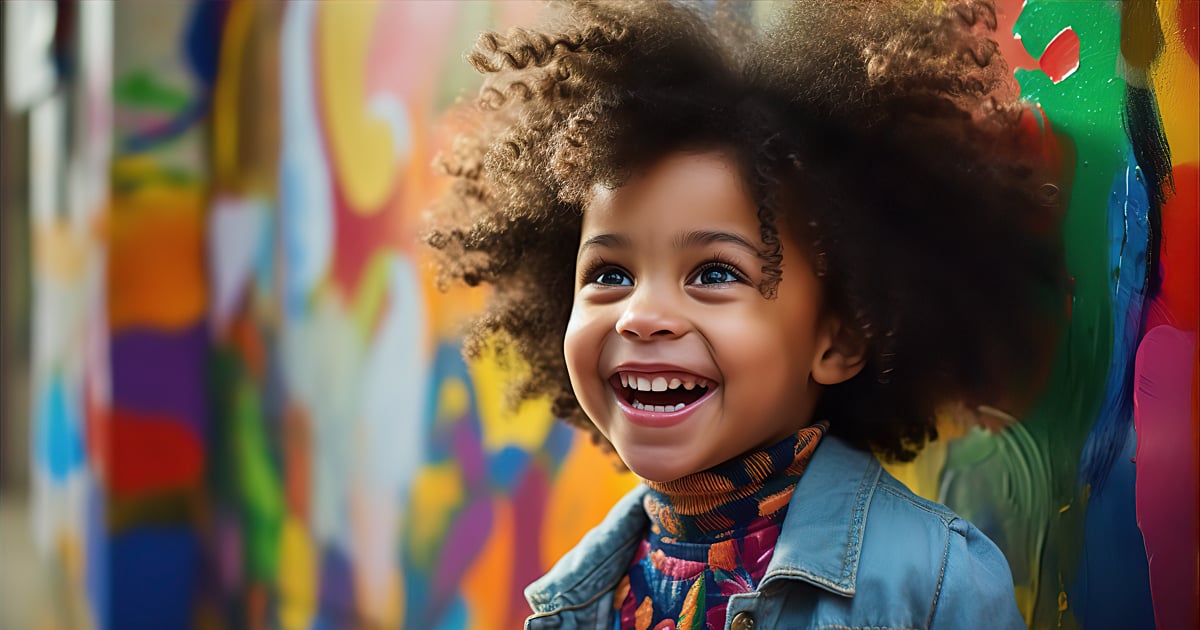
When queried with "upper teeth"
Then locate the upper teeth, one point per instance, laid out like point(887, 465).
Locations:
point(660, 383)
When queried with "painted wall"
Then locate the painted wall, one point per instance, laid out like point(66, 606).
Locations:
point(276, 428)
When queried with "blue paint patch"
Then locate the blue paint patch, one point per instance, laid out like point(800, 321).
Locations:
point(1113, 585)
point(455, 616)
point(447, 364)
point(95, 548)
point(1129, 239)
point(558, 444)
point(202, 41)
point(58, 439)
point(153, 573)
point(505, 468)
point(416, 595)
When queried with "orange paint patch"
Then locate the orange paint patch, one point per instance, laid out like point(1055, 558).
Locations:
point(297, 456)
point(156, 272)
point(482, 584)
point(571, 513)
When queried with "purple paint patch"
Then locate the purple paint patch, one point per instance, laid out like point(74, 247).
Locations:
point(1166, 471)
point(229, 553)
point(462, 545)
point(529, 507)
point(468, 452)
point(163, 373)
point(337, 588)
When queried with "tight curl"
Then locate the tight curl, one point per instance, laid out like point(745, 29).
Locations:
point(888, 134)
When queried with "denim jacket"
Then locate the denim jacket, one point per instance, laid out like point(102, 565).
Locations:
point(857, 550)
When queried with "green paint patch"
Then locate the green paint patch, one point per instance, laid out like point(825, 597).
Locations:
point(140, 89)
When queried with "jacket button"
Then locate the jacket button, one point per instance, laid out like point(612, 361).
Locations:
point(742, 621)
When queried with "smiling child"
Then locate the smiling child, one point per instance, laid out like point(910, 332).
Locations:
point(750, 263)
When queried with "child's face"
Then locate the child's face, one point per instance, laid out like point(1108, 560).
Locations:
point(667, 300)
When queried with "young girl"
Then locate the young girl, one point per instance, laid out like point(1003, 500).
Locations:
point(748, 262)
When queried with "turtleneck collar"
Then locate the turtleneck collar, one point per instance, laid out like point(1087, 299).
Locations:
point(733, 498)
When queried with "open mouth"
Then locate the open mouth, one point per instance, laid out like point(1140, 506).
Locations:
point(661, 393)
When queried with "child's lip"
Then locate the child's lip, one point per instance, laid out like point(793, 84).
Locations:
point(661, 369)
point(660, 419)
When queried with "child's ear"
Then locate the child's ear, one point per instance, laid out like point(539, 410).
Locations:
point(841, 352)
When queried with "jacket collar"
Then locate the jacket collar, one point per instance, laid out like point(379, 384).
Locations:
point(597, 563)
point(820, 541)
point(822, 534)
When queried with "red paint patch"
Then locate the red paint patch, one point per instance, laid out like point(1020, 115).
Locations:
point(1189, 28)
point(1061, 58)
point(152, 453)
point(357, 237)
point(1011, 48)
point(1178, 257)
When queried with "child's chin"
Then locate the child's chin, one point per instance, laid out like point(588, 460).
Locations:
point(656, 470)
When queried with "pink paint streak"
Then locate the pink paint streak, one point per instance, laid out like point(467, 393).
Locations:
point(1166, 486)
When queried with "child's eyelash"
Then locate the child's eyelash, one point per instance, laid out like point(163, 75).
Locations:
point(591, 269)
point(720, 260)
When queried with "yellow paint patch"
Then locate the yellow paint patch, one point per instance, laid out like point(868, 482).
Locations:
point(1026, 598)
point(525, 427)
point(493, 567)
point(372, 289)
point(923, 474)
point(454, 400)
point(60, 251)
point(297, 576)
point(436, 492)
point(361, 144)
point(156, 271)
point(571, 513)
point(1177, 86)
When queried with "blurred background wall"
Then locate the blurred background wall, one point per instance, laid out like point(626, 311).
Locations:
point(233, 397)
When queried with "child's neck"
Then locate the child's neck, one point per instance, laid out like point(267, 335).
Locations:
point(733, 498)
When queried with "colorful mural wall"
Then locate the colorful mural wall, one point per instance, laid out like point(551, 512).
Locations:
point(274, 426)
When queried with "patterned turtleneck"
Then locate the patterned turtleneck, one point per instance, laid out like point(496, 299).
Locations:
point(712, 535)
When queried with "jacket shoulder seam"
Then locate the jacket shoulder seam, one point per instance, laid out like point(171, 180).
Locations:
point(937, 592)
point(918, 503)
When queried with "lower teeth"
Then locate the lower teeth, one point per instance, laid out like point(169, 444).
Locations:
point(659, 408)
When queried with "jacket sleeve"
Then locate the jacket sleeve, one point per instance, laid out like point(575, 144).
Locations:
point(976, 588)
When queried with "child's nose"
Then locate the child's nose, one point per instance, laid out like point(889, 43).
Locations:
point(650, 315)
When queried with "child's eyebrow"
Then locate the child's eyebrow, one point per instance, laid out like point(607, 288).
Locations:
point(697, 238)
point(694, 238)
point(614, 241)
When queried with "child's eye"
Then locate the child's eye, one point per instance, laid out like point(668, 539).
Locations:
point(613, 278)
point(717, 273)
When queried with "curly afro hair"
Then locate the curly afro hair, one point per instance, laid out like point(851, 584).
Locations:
point(889, 132)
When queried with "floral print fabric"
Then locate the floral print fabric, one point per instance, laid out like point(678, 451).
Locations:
point(712, 535)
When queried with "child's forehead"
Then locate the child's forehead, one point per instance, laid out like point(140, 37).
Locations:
point(680, 188)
